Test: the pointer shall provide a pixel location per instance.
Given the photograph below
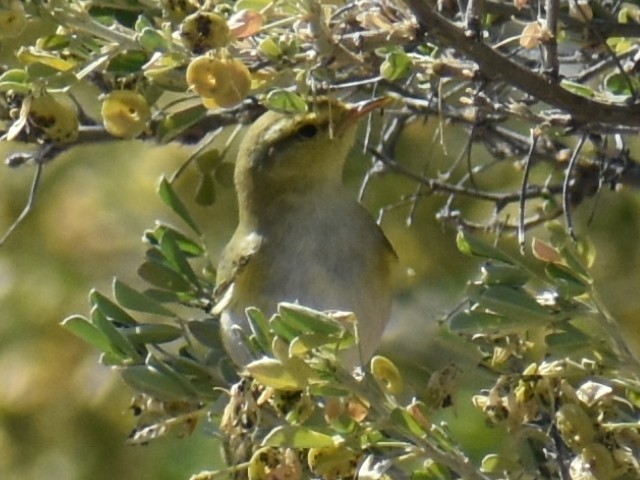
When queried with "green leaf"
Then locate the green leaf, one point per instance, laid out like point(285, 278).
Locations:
point(171, 249)
point(473, 246)
point(510, 302)
point(401, 418)
point(306, 342)
point(152, 333)
point(135, 300)
point(282, 329)
point(120, 344)
point(206, 332)
point(297, 437)
point(285, 102)
point(111, 310)
point(171, 199)
point(302, 319)
point(155, 363)
point(15, 75)
point(276, 374)
point(260, 328)
point(577, 88)
point(175, 123)
point(508, 275)
point(474, 321)
point(152, 382)
point(620, 84)
point(396, 66)
point(566, 280)
point(81, 327)
point(127, 62)
point(270, 49)
point(188, 246)
point(256, 5)
point(498, 464)
point(152, 40)
point(162, 276)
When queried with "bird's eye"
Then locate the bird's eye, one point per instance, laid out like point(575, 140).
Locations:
point(307, 131)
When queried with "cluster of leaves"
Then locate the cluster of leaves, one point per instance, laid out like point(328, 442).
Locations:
point(182, 70)
point(566, 386)
point(563, 375)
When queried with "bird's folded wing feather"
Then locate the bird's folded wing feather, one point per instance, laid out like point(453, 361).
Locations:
point(232, 262)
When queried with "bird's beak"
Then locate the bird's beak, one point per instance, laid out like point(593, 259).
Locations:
point(360, 109)
point(355, 111)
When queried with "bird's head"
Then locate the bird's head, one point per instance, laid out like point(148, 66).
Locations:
point(283, 154)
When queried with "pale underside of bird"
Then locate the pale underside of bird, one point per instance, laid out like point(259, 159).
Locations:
point(302, 236)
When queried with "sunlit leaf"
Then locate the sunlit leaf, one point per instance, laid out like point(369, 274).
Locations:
point(473, 246)
point(285, 102)
point(31, 55)
point(297, 437)
point(510, 302)
point(84, 329)
point(276, 374)
point(302, 319)
point(396, 66)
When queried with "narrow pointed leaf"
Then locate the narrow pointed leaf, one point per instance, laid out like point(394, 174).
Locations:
point(171, 199)
point(81, 327)
point(111, 310)
point(135, 300)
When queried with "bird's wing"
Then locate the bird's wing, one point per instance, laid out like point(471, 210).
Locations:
point(235, 257)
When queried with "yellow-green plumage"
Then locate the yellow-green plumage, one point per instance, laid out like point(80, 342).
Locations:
point(302, 237)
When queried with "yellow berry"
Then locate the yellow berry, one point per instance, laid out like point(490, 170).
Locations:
point(125, 113)
point(13, 18)
point(387, 374)
point(224, 82)
point(55, 116)
point(272, 463)
point(204, 31)
point(330, 463)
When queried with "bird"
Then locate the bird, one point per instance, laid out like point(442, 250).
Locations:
point(302, 237)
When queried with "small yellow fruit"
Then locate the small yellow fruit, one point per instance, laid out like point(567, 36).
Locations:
point(13, 18)
point(204, 31)
point(331, 463)
point(272, 463)
point(125, 113)
point(224, 82)
point(55, 117)
point(387, 374)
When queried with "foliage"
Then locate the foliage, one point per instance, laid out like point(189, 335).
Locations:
point(557, 101)
point(297, 413)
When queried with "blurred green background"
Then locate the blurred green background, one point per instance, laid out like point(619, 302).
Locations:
point(63, 416)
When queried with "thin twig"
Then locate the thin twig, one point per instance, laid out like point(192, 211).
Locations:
point(525, 183)
point(29, 205)
point(567, 184)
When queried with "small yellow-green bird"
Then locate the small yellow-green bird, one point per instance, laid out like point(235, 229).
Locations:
point(302, 236)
